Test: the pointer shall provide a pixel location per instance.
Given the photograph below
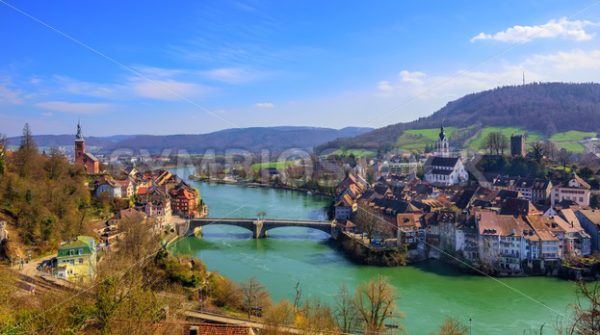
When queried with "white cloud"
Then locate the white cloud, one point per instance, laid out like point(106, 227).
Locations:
point(576, 63)
point(384, 86)
point(9, 94)
point(415, 77)
point(74, 107)
point(157, 84)
point(234, 75)
point(78, 87)
point(563, 27)
point(264, 105)
point(168, 89)
point(406, 100)
point(157, 72)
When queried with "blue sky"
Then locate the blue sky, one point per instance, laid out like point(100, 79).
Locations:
point(153, 67)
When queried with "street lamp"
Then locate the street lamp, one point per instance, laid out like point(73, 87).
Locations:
point(470, 325)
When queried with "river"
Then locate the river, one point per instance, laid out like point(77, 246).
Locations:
point(428, 293)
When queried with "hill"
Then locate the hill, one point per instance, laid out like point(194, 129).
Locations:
point(539, 108)
point(254, 139)
point(48, 141)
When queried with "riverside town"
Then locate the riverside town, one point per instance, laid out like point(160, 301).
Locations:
point(265, 168)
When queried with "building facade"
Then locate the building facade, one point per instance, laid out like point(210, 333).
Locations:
point(445, 171)
point(76, 260)
point(575, 189)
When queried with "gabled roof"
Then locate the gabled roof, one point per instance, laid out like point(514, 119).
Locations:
point(81, 242)
point(569, 216)
point(592, 215)
point(219, 329)
point(542, 225)
point(518, 207)
point(408, 220)
point(442, 161)
point(506, 194)
point(91, 157)
point(463, 198)
point(491, 223)
point(579, 180)
point(440, 171)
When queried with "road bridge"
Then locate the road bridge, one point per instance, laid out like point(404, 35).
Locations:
point(258, 227)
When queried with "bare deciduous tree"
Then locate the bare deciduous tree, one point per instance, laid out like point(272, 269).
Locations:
point(345, 311)
point(367, 221)
point(375, 302)
point(495, 142)
point(255, 296)
point(586, 312)
point(453, 327)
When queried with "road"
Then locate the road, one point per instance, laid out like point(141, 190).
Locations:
point(238, 322)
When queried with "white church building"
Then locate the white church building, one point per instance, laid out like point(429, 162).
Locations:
point(441, 169)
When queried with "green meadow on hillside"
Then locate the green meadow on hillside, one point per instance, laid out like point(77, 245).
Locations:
point(568, 140)
point(278, 165)
point(476, 142)
point(417, 139)
point(354, 152)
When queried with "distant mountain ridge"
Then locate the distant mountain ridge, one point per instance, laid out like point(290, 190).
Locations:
point(253, 139)
point(547, 108)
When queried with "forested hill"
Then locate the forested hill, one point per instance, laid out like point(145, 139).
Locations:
point(254, 139)
point(547, 108)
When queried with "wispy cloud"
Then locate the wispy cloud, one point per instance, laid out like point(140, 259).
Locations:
point(264, 105)
point(168, 89)
point(561, 28)
point(414, 77)
point(79, 87)
point(154, 83)
point(74, 107)
point(9, 94)
point(235, 75)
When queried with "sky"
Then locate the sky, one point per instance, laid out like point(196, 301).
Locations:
point(167, 67)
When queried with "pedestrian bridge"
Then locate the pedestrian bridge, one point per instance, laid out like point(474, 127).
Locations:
point(258, 227)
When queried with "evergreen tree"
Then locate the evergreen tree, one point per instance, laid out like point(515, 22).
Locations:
point(27, 139)
point(2, 146)
point(26, 158)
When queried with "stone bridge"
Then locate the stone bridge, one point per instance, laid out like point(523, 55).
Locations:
point(258, 227)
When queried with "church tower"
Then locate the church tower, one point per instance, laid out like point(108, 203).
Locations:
point(79, 146)
point(442, 146)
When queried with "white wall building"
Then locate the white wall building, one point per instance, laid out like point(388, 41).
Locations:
point(445, 170)
point(576, 190)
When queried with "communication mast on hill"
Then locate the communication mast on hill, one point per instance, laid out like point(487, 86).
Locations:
point(523, 78)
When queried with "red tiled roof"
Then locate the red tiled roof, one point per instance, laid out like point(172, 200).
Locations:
point(217, 329)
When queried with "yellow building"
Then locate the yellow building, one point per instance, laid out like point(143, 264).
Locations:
point(76, 260)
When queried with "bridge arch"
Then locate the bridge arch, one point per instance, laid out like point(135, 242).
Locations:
point(260, 227)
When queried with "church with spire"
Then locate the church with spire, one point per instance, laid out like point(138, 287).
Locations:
point(442, 147)
point(89, 162)
point(441, 168)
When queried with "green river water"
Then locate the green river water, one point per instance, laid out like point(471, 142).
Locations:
point(429, 292)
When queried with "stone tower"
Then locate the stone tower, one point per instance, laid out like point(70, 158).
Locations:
point(517, 146)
